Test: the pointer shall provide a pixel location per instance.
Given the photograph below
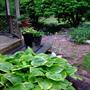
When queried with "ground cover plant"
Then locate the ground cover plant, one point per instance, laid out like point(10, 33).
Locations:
point(26, 70)
point(86, 62)
point(80, 34)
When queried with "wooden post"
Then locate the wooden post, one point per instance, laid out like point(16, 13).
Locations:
point(9, 19)
point(17, 14)
point(17, 9)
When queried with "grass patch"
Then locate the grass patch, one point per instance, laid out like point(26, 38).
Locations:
point(86, 62)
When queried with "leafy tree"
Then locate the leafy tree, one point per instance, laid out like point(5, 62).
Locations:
point(33, 9)
point(70, 11)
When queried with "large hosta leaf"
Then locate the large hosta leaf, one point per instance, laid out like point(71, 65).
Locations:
point(18, 87)
point(70, 70)
point(56, 68)
point(50, 62)
point(60, 85)
point(45, 84)
point(22, 86)
point(5, 66)
point(28, 85)
point(56, 76)
point(14, 79)
point(36, 71)
point(61, 61)
point(39, 60)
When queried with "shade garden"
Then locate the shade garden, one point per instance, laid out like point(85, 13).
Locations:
point(26, 70)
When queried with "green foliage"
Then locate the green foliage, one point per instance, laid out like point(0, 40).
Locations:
point(32, 31)
point(80, 34)
point(69, 11)
point(2, 7)
point(33, 9)
point(26, 70)
point(86, 62)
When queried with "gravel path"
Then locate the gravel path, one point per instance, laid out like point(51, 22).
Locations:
point(62, 46)
point(74, 53)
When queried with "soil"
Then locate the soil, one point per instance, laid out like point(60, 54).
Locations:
point(73, 52)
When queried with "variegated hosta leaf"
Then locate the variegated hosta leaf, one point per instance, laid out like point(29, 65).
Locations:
point(50, 62)
point(61, 85)
point(56, 76)
point(39, 60)
point(70, 70)
point(14, 79)
point(17, 87)
point(5, 66)
point(36, 71)
point(45, 84)
point(56, 68)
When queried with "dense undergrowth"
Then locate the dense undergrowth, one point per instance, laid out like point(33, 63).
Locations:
point(80, 34)
point(26, 70)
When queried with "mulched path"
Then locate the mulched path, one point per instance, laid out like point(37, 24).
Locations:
point(74, 53)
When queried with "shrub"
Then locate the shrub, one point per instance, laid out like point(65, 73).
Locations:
point(29, 71)
point(86, 62)
point(80, 34)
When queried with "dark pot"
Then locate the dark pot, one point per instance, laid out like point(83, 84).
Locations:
point(28, 38)
point(37, 40)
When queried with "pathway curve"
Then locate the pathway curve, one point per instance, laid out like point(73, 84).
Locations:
point(72, 52)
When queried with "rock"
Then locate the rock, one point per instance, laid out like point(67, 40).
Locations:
point(53, 54)
point(59, 56)
point(88, 41)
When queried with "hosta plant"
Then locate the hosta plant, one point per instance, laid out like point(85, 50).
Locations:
point(32, 31)
point(26, 70)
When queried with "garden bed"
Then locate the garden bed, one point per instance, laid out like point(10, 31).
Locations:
point(73, 52)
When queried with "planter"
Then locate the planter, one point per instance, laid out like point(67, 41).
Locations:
point(37, 40)
point(28, 38)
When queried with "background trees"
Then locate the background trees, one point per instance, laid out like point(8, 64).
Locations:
point(69, 11)
point(72, 12)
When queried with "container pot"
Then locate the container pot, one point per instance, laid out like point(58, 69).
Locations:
point(28, 39)
point(37, 40)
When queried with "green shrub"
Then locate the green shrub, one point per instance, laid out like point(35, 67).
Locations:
point(86, 62)
point(80, 34)
point(29, 71)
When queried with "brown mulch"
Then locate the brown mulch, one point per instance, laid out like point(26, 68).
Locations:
point(74, 53)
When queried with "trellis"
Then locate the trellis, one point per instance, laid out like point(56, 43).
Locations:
point(11, 22)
